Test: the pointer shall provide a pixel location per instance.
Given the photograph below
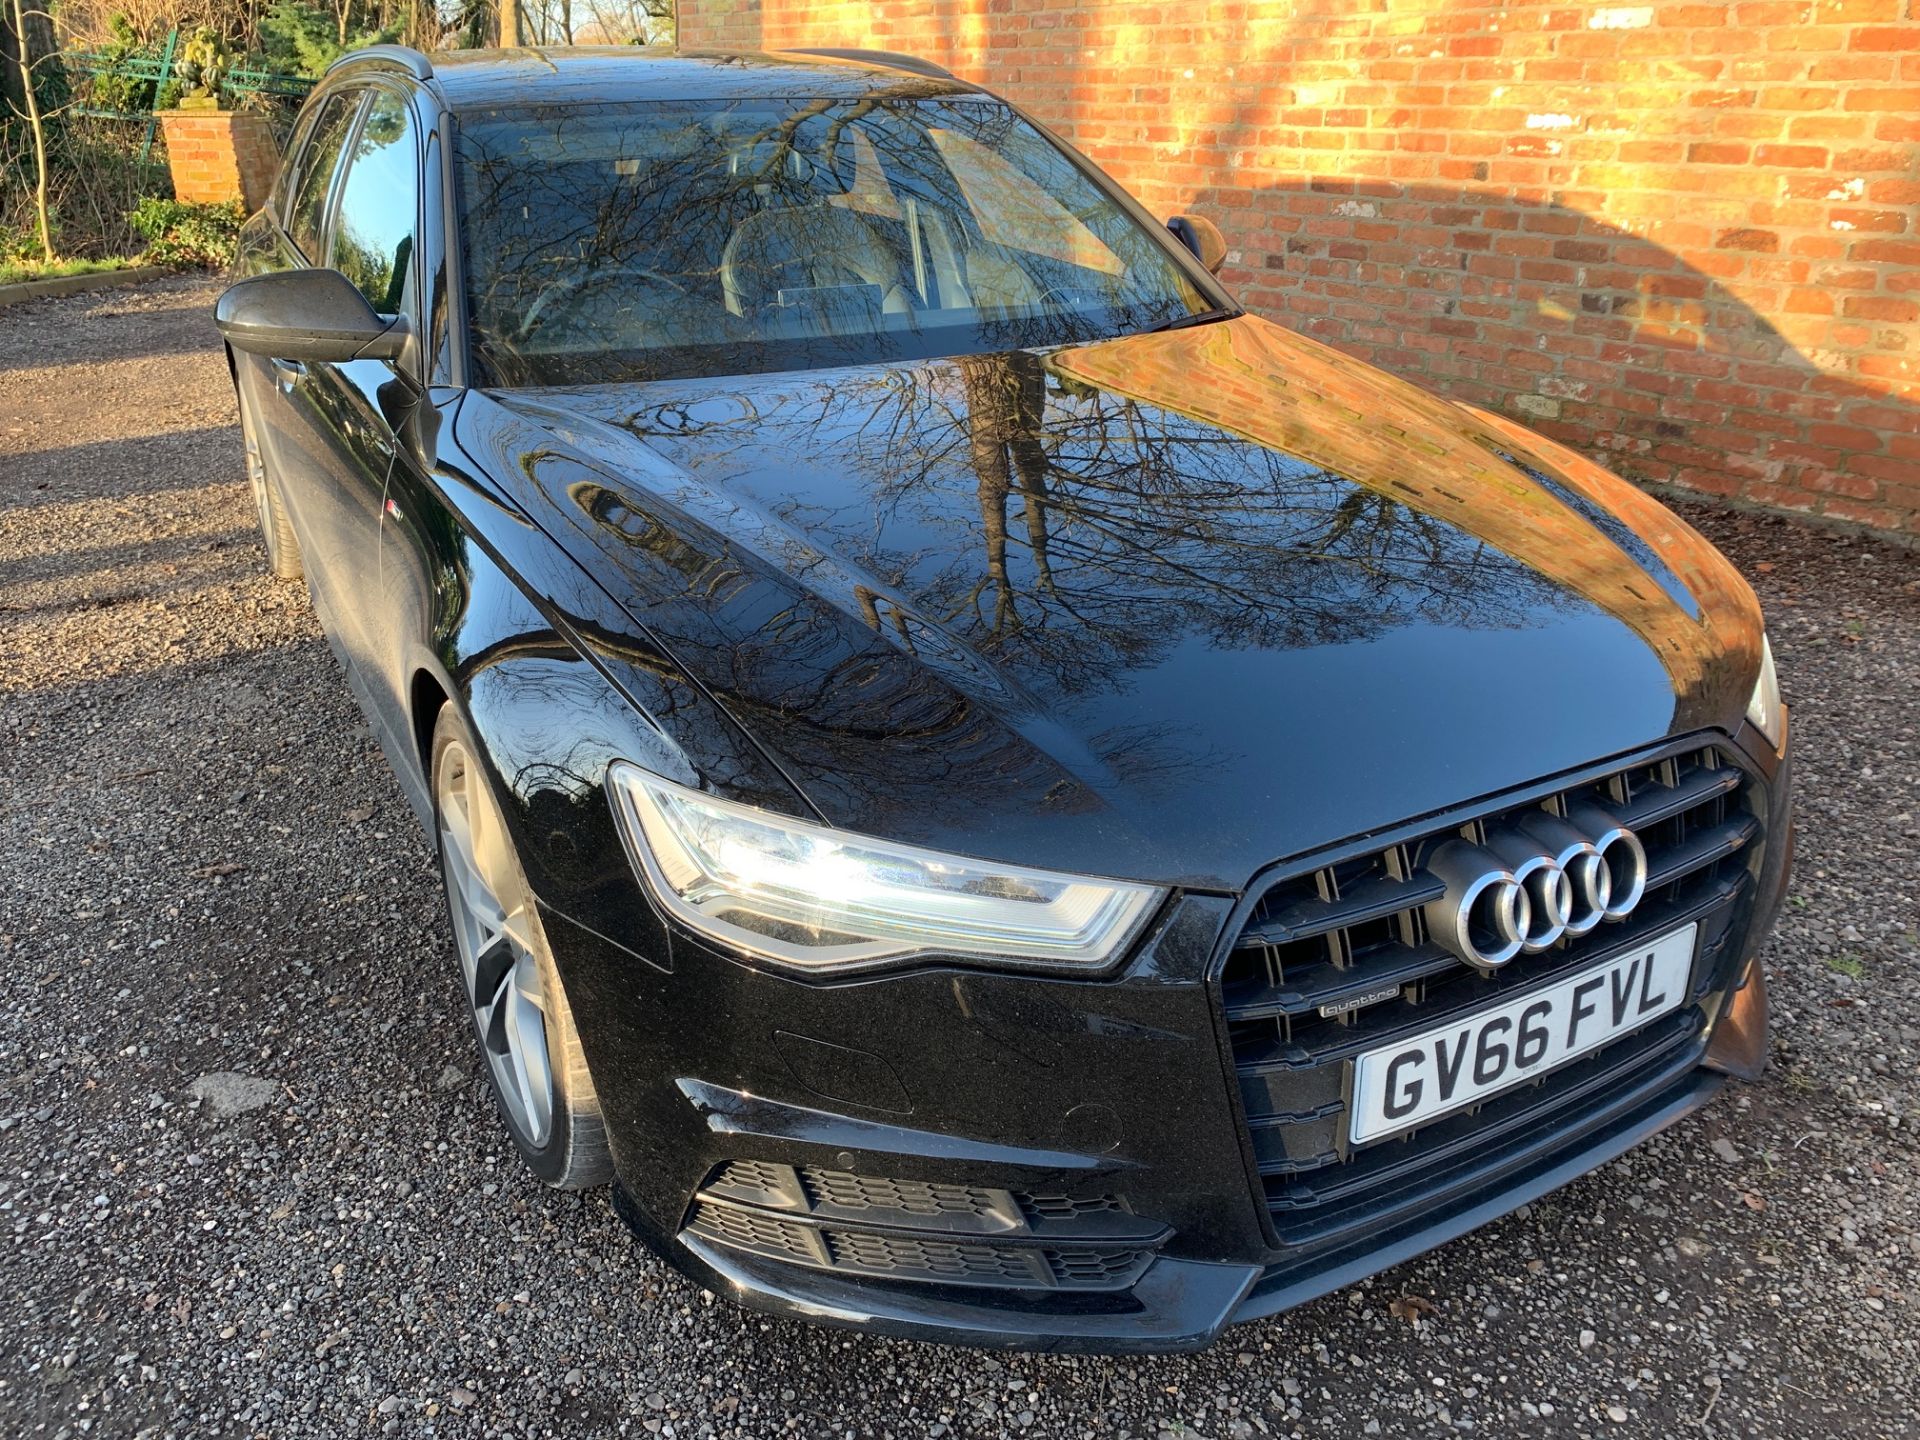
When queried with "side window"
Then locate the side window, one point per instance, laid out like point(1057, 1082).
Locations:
point(324, 141)
point(283, 180)
point(373, 228)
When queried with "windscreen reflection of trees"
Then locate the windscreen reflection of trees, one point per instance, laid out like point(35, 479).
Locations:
point(1089, 535)
point(644, 242)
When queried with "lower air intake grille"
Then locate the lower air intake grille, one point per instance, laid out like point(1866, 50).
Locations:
point(1340, 958)
point(765, 1233)
point(1065, 1207)
point(845, 1191)
point(925, 1231)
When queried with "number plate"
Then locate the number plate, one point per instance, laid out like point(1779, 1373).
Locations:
point(1466, 1061)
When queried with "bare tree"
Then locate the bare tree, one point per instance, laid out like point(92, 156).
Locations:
point(29, 107)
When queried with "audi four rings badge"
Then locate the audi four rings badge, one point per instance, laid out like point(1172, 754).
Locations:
point(1533, 882)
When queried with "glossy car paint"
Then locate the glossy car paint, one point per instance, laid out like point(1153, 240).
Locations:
point(1177, 607)
point(1141, 643)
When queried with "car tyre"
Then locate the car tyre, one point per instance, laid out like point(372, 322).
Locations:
point(534, 1062)
point(283, 550)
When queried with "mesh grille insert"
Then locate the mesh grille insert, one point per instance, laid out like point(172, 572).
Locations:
point(910, 1197)
point(925, 1231)
point(947, 1259)
point(1065, 1207)
point(753, 1231)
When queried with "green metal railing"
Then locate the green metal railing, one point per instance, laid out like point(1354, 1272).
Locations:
point(238, 84)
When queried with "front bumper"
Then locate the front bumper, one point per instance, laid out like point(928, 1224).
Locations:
point(1029, 1162)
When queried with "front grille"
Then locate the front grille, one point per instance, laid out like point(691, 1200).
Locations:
point(1335, 959)
point(926, 1231)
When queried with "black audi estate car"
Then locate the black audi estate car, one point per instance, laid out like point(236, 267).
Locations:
point(995, 796)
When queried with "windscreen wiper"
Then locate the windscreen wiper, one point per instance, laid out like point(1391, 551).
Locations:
point(1181, 322)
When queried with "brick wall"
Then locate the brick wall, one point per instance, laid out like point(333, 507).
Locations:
point(219, 155)
point(1683, 237)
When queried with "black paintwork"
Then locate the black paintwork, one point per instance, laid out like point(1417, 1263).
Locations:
point(475, 79)
point(991, 605)
point(1137, 644)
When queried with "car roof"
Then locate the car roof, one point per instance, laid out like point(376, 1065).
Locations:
point(469, 79)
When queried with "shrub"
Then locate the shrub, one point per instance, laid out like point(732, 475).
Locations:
point(113, 89)
point(305, 39)
point(96, 176)
point(180, 234)
point(18, 245)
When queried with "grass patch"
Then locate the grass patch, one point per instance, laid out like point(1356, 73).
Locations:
point(14, 272)
point(1847, 965)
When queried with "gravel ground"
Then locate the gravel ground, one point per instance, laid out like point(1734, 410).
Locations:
point(251, 1183)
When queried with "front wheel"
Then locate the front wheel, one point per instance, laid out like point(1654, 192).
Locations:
point(276, 530)
point(520, 1012)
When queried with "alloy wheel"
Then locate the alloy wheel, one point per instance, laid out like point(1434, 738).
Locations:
point(257, 482)
point(492, 922)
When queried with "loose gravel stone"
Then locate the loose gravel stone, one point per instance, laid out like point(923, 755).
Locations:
point(228, 1094)
point(181, 897)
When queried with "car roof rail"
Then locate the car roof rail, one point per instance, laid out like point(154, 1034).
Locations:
point(404, 56)
point(893, 59)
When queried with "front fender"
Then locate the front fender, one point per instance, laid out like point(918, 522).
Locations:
point(555, 683)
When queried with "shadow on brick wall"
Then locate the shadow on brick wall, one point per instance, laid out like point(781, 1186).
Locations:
point(1598, 337)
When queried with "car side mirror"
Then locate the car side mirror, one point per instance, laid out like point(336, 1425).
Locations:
point(1203, 238)
point(306, 315)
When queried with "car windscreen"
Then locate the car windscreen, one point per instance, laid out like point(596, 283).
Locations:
point(668, 239)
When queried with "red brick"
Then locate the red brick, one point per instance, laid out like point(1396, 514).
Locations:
point(1790, 156)
point(1718, 152)
point(1897, 252)
point(1881, 307)
point(1899, 102)
point(1900, 37)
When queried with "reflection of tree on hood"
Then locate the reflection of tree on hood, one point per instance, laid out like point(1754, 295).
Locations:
point(1585, 533)
point(1076, 535)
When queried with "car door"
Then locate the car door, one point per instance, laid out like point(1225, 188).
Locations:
point(301, 444)
point(362, 404)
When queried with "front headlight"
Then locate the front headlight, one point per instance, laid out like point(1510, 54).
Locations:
point(1763, 711)
point(824, 900)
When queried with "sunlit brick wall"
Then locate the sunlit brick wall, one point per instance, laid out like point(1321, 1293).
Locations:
point(1682, 237)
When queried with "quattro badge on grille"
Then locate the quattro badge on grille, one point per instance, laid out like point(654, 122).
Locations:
point(1358, 1002)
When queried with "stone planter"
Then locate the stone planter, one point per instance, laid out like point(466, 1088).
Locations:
point(220, 155)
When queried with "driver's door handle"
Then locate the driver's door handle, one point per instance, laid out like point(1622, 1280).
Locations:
point(288, 372)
